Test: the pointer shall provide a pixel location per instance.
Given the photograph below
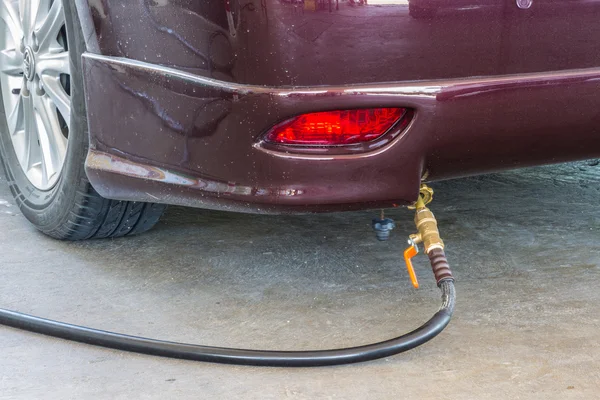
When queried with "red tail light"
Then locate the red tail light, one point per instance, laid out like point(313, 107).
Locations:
point(332, 128)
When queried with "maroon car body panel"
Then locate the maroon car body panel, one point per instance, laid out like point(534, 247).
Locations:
point(180, 92)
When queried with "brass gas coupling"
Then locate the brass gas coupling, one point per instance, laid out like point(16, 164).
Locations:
point(427, 229)
point(429, 235)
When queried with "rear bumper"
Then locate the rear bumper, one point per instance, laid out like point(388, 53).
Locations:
point(159, 134)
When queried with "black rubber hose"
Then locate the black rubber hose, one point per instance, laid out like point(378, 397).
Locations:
point(195, 352)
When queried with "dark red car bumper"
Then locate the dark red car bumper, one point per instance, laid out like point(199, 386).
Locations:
point(160, 134)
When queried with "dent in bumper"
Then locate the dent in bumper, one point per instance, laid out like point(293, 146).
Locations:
point(192, 139)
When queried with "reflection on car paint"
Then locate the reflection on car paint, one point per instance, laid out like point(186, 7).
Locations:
point(281, 43)
point(186, 85)
point(111, 163)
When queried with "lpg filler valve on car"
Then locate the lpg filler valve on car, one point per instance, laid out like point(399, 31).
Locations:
point(427, 234)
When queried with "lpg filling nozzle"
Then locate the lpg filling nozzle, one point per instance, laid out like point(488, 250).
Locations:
point(428, 234)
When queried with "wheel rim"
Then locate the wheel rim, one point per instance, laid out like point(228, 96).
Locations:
point(35, 79)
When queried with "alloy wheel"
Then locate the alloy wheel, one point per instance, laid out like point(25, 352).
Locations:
point(36, 84)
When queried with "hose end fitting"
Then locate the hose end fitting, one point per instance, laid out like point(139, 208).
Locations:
point(439, 265)
point(429, 235)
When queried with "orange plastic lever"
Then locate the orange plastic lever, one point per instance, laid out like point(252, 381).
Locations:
point(408, 255)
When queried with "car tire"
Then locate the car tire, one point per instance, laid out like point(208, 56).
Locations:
point(70, 209)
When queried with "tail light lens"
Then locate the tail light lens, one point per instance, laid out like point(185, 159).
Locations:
point(332, 128)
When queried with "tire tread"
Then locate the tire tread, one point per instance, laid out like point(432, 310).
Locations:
point(94, 217)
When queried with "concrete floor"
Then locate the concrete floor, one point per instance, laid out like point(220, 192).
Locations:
point(524, 246)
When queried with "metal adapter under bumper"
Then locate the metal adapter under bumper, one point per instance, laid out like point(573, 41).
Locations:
point(159, 134)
